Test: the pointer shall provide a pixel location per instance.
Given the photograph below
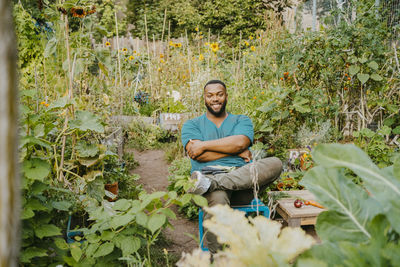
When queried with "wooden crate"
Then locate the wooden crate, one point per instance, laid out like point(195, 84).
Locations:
point(295, 217)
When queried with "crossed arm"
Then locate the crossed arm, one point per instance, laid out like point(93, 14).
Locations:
point(205, 151)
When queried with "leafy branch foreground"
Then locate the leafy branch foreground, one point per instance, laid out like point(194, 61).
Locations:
point(360, 228)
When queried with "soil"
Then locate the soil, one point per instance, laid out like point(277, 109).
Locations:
point(153, 171)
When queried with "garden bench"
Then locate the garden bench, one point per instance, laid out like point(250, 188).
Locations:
point(295, 217)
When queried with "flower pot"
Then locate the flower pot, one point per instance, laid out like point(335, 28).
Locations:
point(113, 188)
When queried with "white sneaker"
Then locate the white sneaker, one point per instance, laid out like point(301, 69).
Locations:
point(202, 183)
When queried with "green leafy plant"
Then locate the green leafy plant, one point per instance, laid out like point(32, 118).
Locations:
point(361, 226)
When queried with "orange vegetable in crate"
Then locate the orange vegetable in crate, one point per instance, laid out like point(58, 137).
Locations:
point(313, 203)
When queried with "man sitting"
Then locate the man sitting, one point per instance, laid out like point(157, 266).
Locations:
point(219, 138)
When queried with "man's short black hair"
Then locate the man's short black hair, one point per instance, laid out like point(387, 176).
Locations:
point(215, 82)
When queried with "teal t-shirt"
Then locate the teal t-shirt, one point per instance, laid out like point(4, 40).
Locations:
point(203, 129)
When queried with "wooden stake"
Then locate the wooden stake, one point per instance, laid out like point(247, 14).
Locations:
point(148, 54)
point(163, 27)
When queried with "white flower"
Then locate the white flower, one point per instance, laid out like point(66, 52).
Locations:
point(176, 95)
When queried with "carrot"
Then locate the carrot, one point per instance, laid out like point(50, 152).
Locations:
point(313, 203)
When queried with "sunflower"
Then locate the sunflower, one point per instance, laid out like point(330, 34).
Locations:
point(178, 45)
point(78, 12)
point(246, 43)
point(171, 43)
point(252, 48)
point(201, 57)
point(124, 50)
point(131, 58)
point(108, 44)
point(214, 47)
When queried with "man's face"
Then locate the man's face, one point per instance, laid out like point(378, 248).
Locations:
point(215, 98)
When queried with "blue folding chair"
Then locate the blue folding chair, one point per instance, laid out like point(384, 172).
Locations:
point(254, 206)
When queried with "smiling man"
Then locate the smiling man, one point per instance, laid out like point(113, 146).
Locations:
point(219, 141)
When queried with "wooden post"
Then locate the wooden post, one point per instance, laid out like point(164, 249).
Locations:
point(9, 189)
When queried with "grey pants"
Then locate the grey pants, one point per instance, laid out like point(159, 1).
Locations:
point(236, 188)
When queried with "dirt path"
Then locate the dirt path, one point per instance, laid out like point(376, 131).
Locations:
point(153, 171)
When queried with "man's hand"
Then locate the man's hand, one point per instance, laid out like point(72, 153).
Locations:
point(195, 148)
point(246, 155)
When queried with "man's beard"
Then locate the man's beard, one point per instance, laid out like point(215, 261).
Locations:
point(220, 112)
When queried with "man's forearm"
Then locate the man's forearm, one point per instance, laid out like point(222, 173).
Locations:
point(233, 145)
point(210, 156)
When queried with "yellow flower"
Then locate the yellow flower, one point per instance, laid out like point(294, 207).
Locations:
point(178, 45)
point(251, 37)
point(159, 69)
point(197, 29)
point(171, 43)
point(134, 51)
point(254, 97)
point(206, 43)
point(124, 50)
point(131, 58)
point(245, 53)
point(165, 251)
point(252, 48)
point(201, 37)
point(246, 43)
point(108, 44)
point(262, 93)
point(43, 103)
point(214, 47)
point(46, 105)
point(200, 32)
point(161, 55)
point(201, 57)
point(162, 60)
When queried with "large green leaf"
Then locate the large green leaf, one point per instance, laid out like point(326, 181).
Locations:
point(61, 244)
point(301, 104)
point(104, 249)
point(327, 251)
point(76, 253)
point(31, 252)
point(86, 121)
point(51, 47)
point(36, 169)
point(353, 70)
point(34, 204)
point(45, 230)
point(61, 103)
point(61, 205)
point(376, 77)
point(381, 183)
point(369, 253)
point(128, 244)
point(32, 140)
point(362, 77)
point(350, 207)
point(122, 220)
point(199, 200)
point(122, 205)
point(141, 219)
point(86, 150)
point(155, 222)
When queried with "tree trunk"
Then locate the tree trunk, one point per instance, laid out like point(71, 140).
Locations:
point(9, 180)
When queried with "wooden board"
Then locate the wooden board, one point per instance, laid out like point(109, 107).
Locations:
point(306, 215)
